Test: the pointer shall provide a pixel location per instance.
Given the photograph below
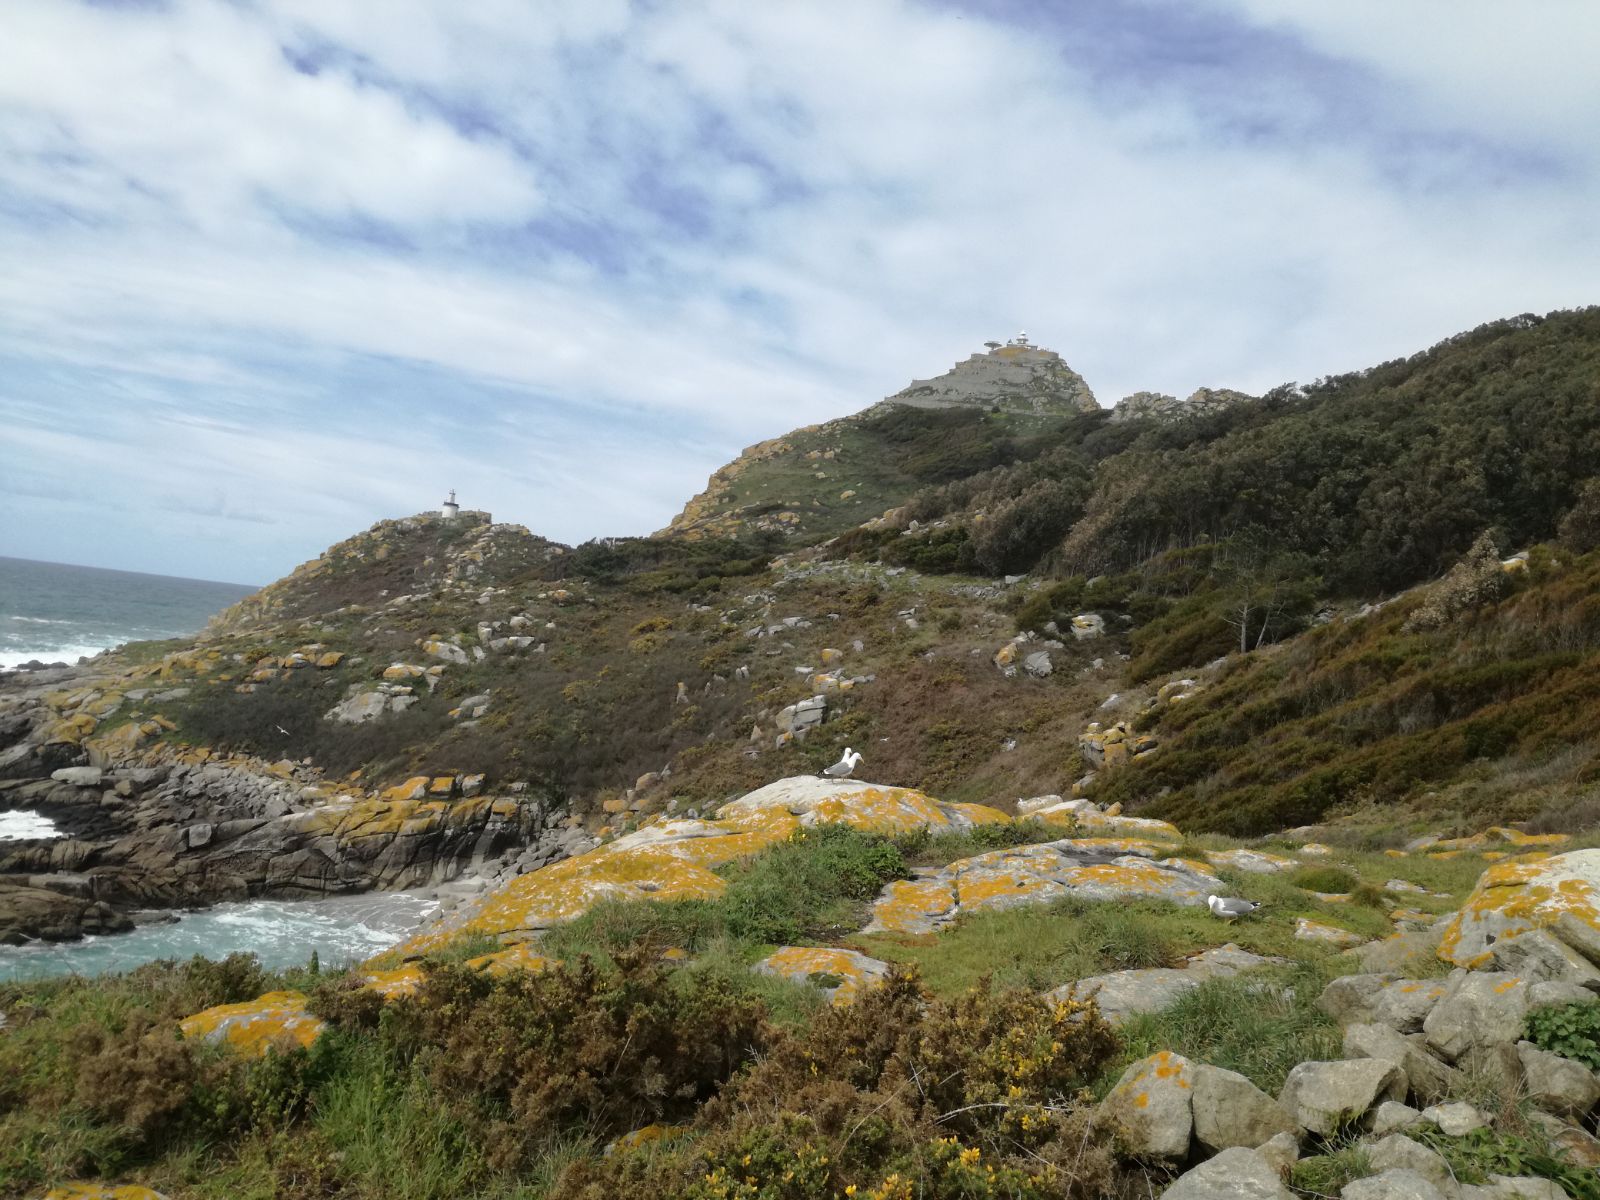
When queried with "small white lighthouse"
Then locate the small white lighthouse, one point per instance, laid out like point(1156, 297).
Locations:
point(449, 508)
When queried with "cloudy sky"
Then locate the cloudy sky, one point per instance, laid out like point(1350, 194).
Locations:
point(271, 270)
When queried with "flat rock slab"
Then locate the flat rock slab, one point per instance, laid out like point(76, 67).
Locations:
point(1037, 874)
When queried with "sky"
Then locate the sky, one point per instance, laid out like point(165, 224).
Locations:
point(273, 270)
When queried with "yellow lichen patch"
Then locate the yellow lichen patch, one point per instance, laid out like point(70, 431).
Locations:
point(1514, 897)
point(277, 1020)
point(402, 981)
point(1104, 845)
point(1104, 823)
point(865, 806)
point(102, 1191)
point(414, 788)
point(1308, 930)
point(912, 905)
point(568, 889)
point(645, 1137)
point(524, 956)
point(843, 974)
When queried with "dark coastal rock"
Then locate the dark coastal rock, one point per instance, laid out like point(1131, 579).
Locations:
point(44, 914)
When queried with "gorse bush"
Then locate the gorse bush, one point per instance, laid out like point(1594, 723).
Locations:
point(1570, 1030)
point(897, 1095)
point(528, 1055)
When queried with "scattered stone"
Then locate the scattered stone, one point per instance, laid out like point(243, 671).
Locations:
point(1038, 664)
point(1398, 1184)
point(1455, 1120)
point(1230, 1111)
point(1238, 1173)
point(1391, 1117)
point(1281, 1151)
point(1257, 862)
point(1538, 956)
point(1478, 1008)
point(1398, 1152)
point(1324, 1097)
point(1557, 1085)
point(1382, 999)
point(1429, 1079)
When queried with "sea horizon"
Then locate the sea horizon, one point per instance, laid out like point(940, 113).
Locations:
point(61, 612)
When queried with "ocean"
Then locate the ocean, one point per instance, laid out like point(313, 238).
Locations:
point(56, 613)
point(282, 933)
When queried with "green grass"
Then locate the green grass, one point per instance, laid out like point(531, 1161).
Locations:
point(1324, 1175)
point(1260, 1024)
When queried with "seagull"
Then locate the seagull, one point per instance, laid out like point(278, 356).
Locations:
point(1229, 909)
point(845, 765)
point(281, 730)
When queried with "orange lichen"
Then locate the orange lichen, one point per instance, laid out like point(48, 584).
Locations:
point(1514, 897)
point(277, 1020)
point(102, 1191)
point(854, 971)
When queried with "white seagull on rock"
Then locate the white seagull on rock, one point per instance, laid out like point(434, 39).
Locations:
point(1230, 909)
point(844, 766)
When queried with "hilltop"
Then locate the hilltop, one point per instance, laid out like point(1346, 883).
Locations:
point(823, 479)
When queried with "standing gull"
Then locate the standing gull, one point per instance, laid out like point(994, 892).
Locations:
point(1229, 909)
point(844, 766)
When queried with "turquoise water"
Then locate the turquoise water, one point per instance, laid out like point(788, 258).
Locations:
point(55, 613)
point(282, 933)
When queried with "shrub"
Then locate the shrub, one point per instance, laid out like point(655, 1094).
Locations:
point(576, 1046)
point(895, 1095)
point(1570, 1030)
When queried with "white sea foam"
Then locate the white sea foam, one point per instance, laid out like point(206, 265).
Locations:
point(12, 657)
point(18, 826)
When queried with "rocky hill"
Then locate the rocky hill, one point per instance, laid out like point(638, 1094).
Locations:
point(823, 479)
point(1336, 655)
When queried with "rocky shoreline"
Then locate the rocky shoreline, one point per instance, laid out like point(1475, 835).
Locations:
point(164, 828)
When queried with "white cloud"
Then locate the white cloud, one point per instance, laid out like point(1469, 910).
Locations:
point(699, 224)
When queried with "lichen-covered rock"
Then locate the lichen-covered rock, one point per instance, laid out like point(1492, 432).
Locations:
point(1237, 1173)
point(1308, 930)
point(841, 974)
point(1257, 862)
point(1560, 894)
point(1323, 1097)
point(277, 1020)
point(102, 1191)
point(1152, 1107)
point(675, 859)
point(1035, 874)
point(1479, 1008)
point(1382, 999)
point(1538, 956)
point(1231, 1111)
point(867, 806)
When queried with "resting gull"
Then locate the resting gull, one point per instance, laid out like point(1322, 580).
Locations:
point(844, 766)
point(1229, 909)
